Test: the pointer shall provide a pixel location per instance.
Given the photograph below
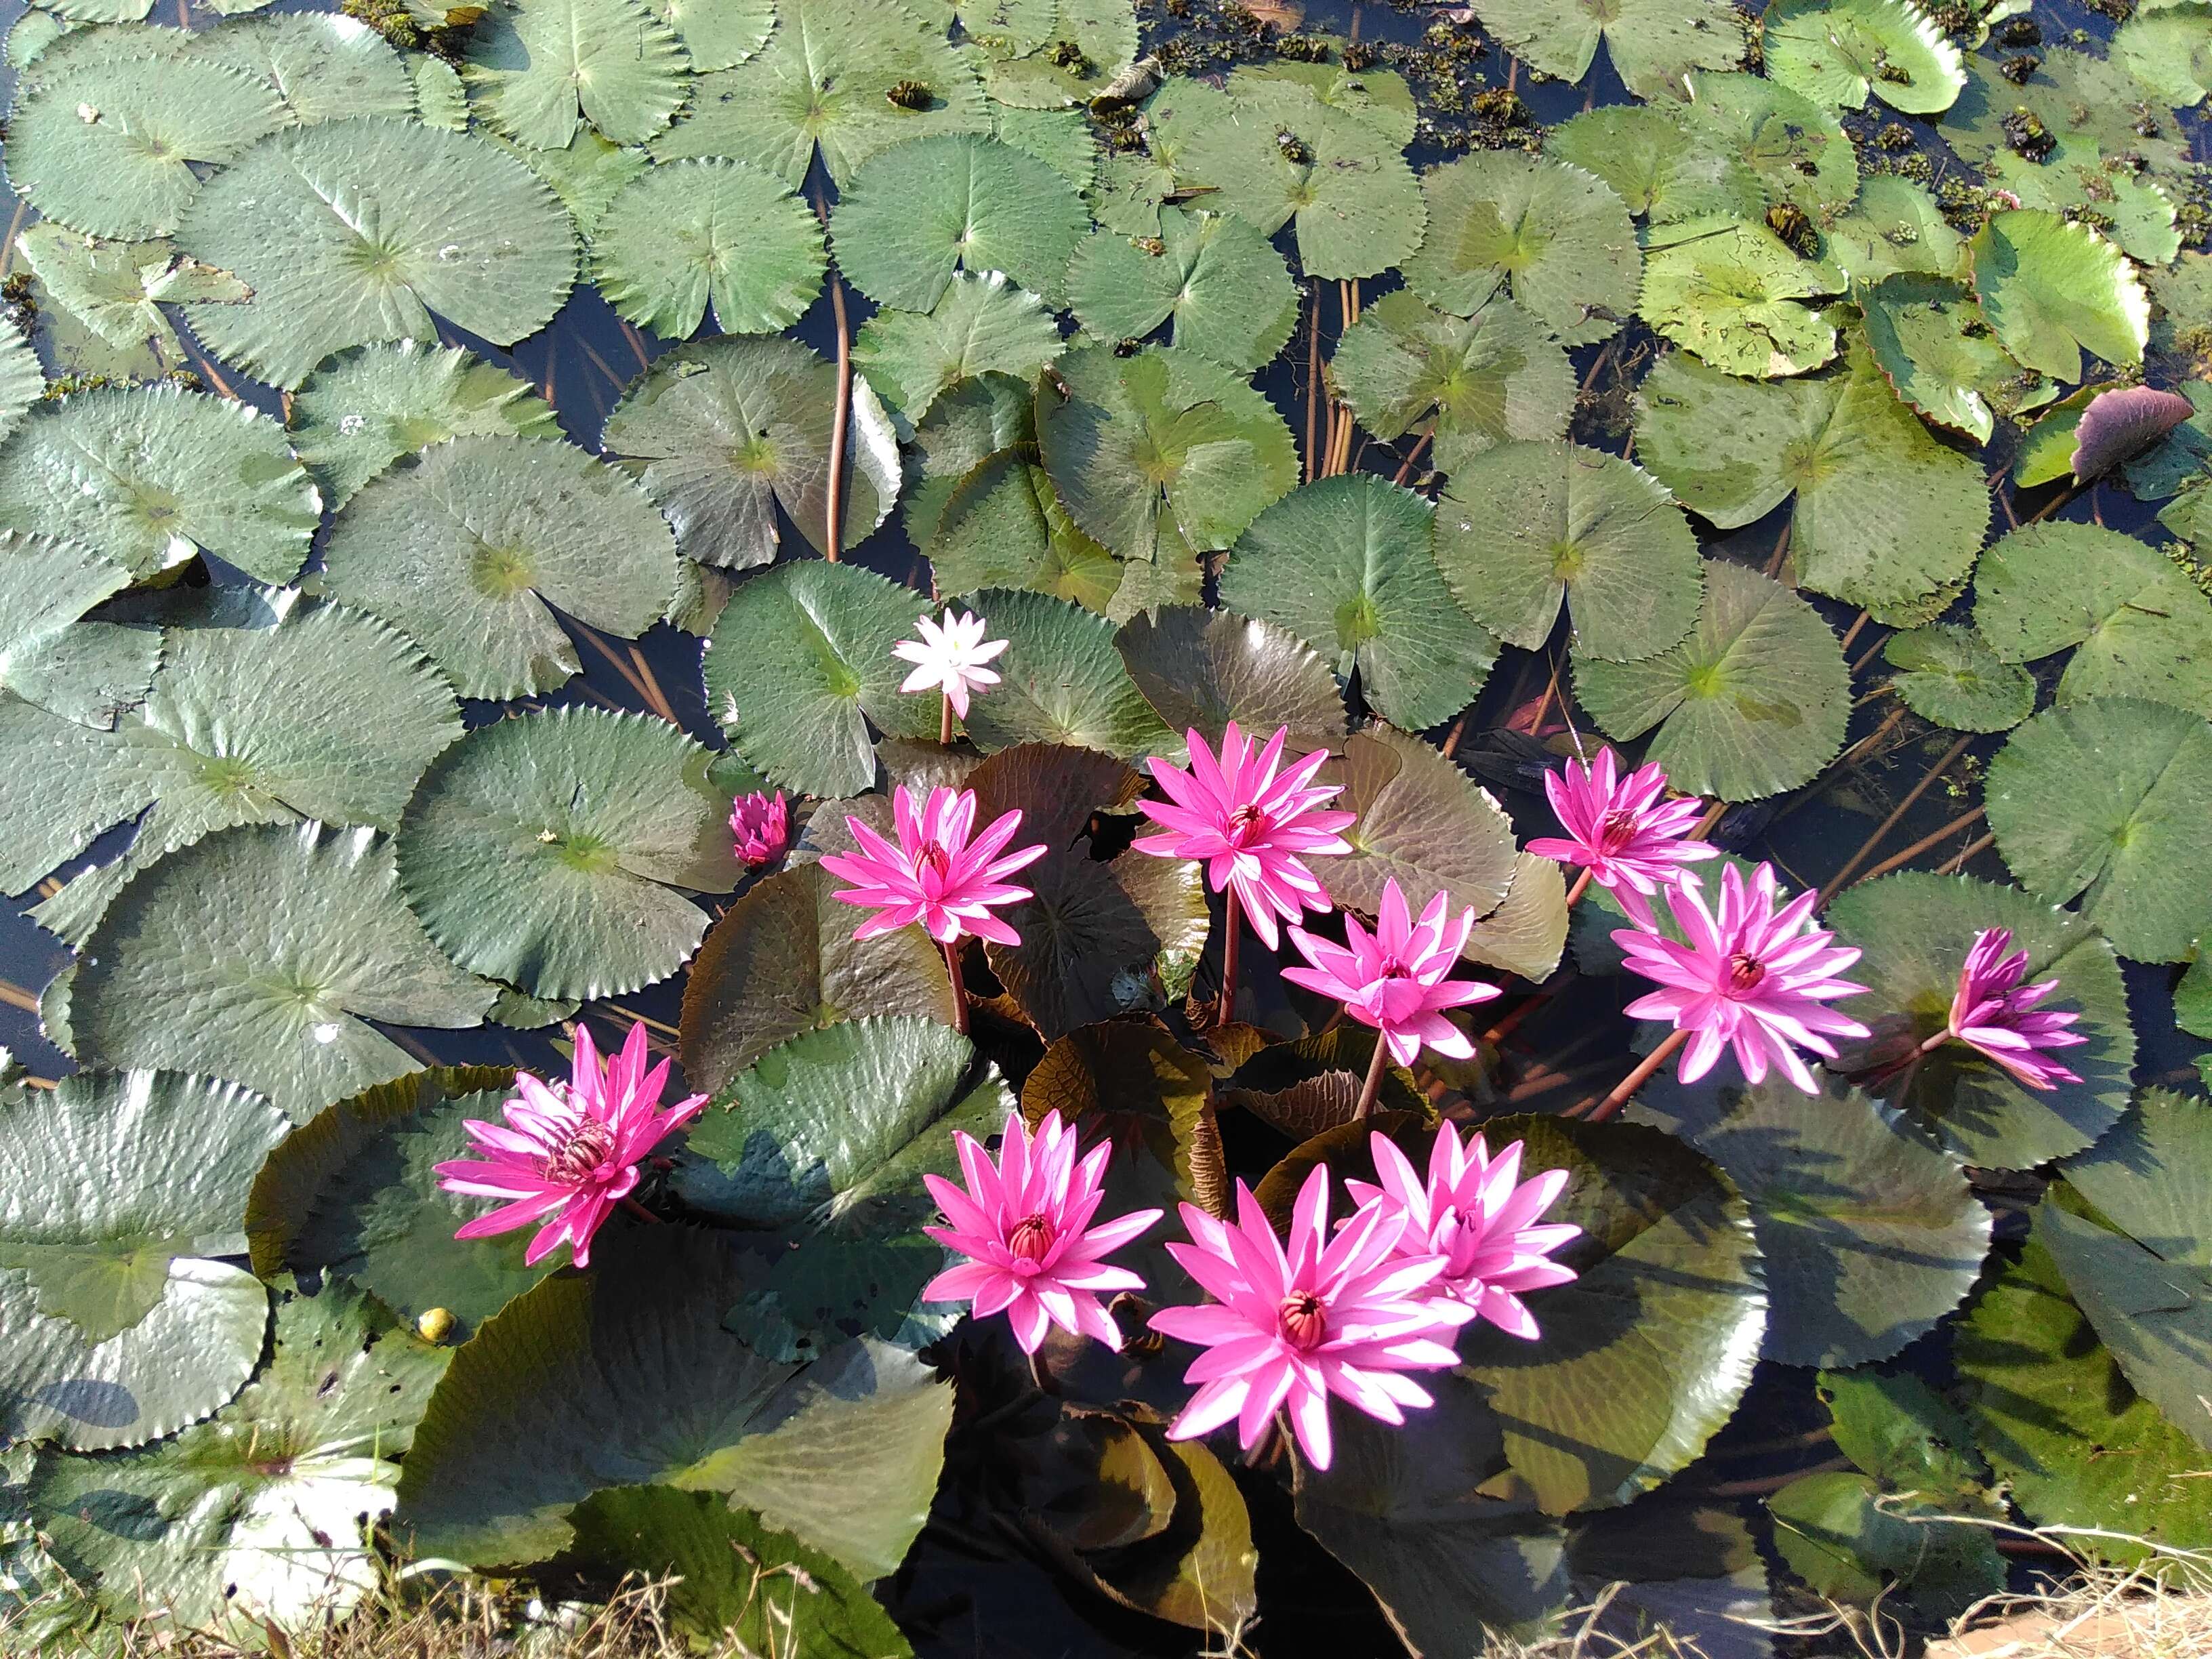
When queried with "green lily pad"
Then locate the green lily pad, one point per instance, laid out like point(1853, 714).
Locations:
point(1837, 52)
point(586, 175)
point(321, 67)
point(2078, 180)
point(1949, 676)
point(2142, 627)
point(1527, 933)
point(981, 325)
point(556, 852)
point(2152, 1175)
point(824, 78)
point(1162, 444)
point(1885, 517)
point(1893, 226)
point(468, 550)
point(1915, 928)
point(1869, 1232)
point(967, 425)
point(107, 149)
point(1728, 291)
point(458, 229)
point(2102, 800)
point(1003, 525)
point(1529, 528)
point(257, 1515)
point(1349, 565)
point(46, 585)
point(800, 663)
point(1060, 139)
point(912, 217)
point(723, 433)
point(1423, 823)
point(260, 954)
point(2169, 52)
point(1200, 668)
point(1556, 239)
point(719, 34)
point(1797, 147)
point(117, 288)
point(567, 1391)
point(540, 69)
point(1474, 382)
point(1104, 34)
point(440, 101)
point(1929, 336)
point(1654, 45)
point(22, 380)
point(360, 412)
point(1215, 277)
point(1754, 701)
point(151, 476)
point(1657, 166)
point(2052, 290)
point(354, 1192)
point(1852, 1542)
point(688, 231)
point(120, 1325)
point(2078, 98)
point(2153, 1315)
point(1060, 681)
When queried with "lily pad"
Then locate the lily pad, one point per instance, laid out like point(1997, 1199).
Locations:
point(625, 1374)
point(358, 230)
point(1556, 239)
point(150, 475)
point(1799, 149)
point(540, 69)
point(260, 954)
point(686, 232)
point(2052, 290)
point(1754, 701)
point(724, 432)
point(981, 325)
point(1205, 668)
point(1730, 292)
point(719, 34)
point(1867, 1230)
point(1930, 339)
point(1658, 169)
point(1214, 275)
point(1894, 226)
point(360, 412)
point(119, 1325)
point(22, 380)
point(1654, 44)
point(468, 551)
point(1949, 676)
point(586, 175)
point(2151, 1175)
point(2168, 50)
point(1837, 52)
point(1915, 928)
point(800, 663)
point(966, 425)
point(1349, 565)
point(556, 852)
point(46, 585)
point(260, 1515)
point(1061, 682)
point(1529, 528)
point(117, 288)
point(918, 212)
point(2076, 179)
point(1423, 823)
point(2102, 801)
point(320, 67)
point(1003, 525)
point(1104, 36)
point(2153, 1316)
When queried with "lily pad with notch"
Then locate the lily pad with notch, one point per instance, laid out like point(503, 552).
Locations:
point(1730, 292)
point(1200, 668)
point(1060, 682)
point(1654, 44)
point(2053, 289)
point(541, 69)
point(1662, 170)
point(1220, 282)
point(1840, 52)
point(980, 325)
point(1949, 675)
point(683, 232)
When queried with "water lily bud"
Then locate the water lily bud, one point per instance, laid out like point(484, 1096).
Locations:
point(436, 1325)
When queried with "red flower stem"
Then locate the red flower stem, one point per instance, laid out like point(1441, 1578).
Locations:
point(1046, 1382)
point(1373, 1086)
point(945, 723)
point(1625, 1091)
point(959, 986)
point(841, 415)
point(1232, 922)
point(1581, 886)
point(639, 1210)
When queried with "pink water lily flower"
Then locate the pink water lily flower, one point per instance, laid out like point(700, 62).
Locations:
point(571, 1149)
point(1394, 979)
point(1476, 1213)
point(1251, 827)
point(1995, 1014)
point(761, 826)
point(1345, 1315)
point(1623, 831)
point(1749, 976)
point(936, 875)
point(1024, 1225)
point(950, 658)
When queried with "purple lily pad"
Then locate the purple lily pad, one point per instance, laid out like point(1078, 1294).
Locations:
point(2119, 424)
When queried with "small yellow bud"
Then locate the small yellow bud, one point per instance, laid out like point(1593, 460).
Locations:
point(436, 1325)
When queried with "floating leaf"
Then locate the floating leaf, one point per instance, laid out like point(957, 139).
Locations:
point(1753, 703)
point(1654, 45)
point(46, 585)
point(1104, 36)
point(455, 227)
point(117, 1326)
point(360, 412)
point(1003, 525)
point(979, 326)
point(723, 433)
point(1555, 237)
point(1349, 565)
point(1790, 142)
point(2151, 1175)
point(719, 34)
point(1928, 336)
point(2077, 98)
point(1060, 681)
point(258, 1515)
point(1529, 528)
point(1728, 291)
point(1226, 289)
point(1060, 139)
point(1423, 823)
point(1916, 929)
point(320, 67)
point(965, 426)
point(22, 380)
point(710, 228)
point(149, 476)
point(1657, 166)
point(115, 288)
point(586, 175)
point(1205, 668)
point(2120, 424)
point(2169, 52)
point(1894, 226)
point(2052, 290)
point(541, 68)
point(439, 100)
point(1527, 933)
point(2078, 180)
point(556, 851)
point(260, 954)
point(801, 661)
point(1852, 1542)
point(2103, 800)
point(1949, 676)
point(468, 550)
point(1474, 382)
point(1838, 51)
point(2142, 628)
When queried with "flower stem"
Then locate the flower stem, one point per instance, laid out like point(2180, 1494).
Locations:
point(1626, 1089)
point(1581, 886)
point(945, 723)
point(1046, 1382)
point(1232, 920)
point(959, 985)
point(1373, 1086)
point(639, 1210)
point(834, 509)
